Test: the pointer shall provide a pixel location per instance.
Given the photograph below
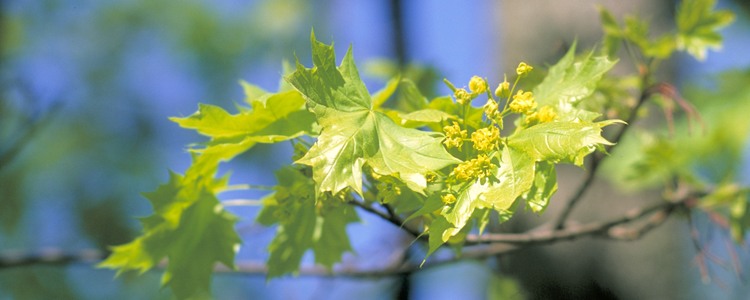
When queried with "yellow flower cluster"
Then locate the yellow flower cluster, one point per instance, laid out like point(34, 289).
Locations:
point(523, 102)
point(485, 139)
point(462, 96)
point(523, 69)
point(545, 114)
point(478, 168)
point(477, 85)
point(448, 199)
point(454, 136)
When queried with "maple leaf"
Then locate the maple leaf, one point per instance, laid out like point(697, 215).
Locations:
point(697, 26)
point(189, 228)
point(560, 141)
point(513, 178)
point(302, 225)
point(354, 134)
point(570, 81)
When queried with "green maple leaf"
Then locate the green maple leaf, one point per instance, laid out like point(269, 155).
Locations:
point(697, 26)
point(514, 177)
point(560, 141)
point(570, 81)
point(303, 225)
point(354, 134)
point(545, 185)
point(440, 232)
point(273, 118)
point(190, 229)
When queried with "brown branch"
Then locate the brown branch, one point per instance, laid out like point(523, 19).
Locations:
point(606, 229)
point(479, 247)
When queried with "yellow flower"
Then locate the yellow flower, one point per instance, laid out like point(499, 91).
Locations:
point(478, 168)
point(464, 172)
point(523, 69)
point(388, 192)
point(523, 102)
point(490, 109)
point(462, 96)
point(485, 139)
point(448, 199)
point(431, 177)
point(454, 136)
point(545, 114)
point(483, 166)
point(503, 89)
point(477, 85)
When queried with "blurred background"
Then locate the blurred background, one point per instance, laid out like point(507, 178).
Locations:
point(86, 88)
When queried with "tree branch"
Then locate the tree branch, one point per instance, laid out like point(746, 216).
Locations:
point(478, 247)
point(50, 256)
point(390, 216)
point(606, 229)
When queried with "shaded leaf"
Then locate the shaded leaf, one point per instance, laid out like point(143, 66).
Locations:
point(303, 225)
point(698, 25)
point(189, 228)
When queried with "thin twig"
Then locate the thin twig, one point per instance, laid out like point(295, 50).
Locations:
point(389, 216)
point(50, 256)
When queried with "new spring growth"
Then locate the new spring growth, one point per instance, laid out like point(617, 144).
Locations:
point(523, 69)
point(477, 85)
point(523, 103)
point(545, 114)
point(462, 96)
point(485, 139)
point(388, 190)
point(503, 89)
point(454, 136)
point(478, 168)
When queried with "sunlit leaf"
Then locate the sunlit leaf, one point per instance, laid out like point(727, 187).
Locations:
point(545, 185)
point(353, 134)
point(560, 141)
point(514, 177)
point(569, 81)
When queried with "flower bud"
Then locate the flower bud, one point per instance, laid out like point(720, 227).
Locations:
point(462, 96)
point(523, 69)
point(477, 85)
